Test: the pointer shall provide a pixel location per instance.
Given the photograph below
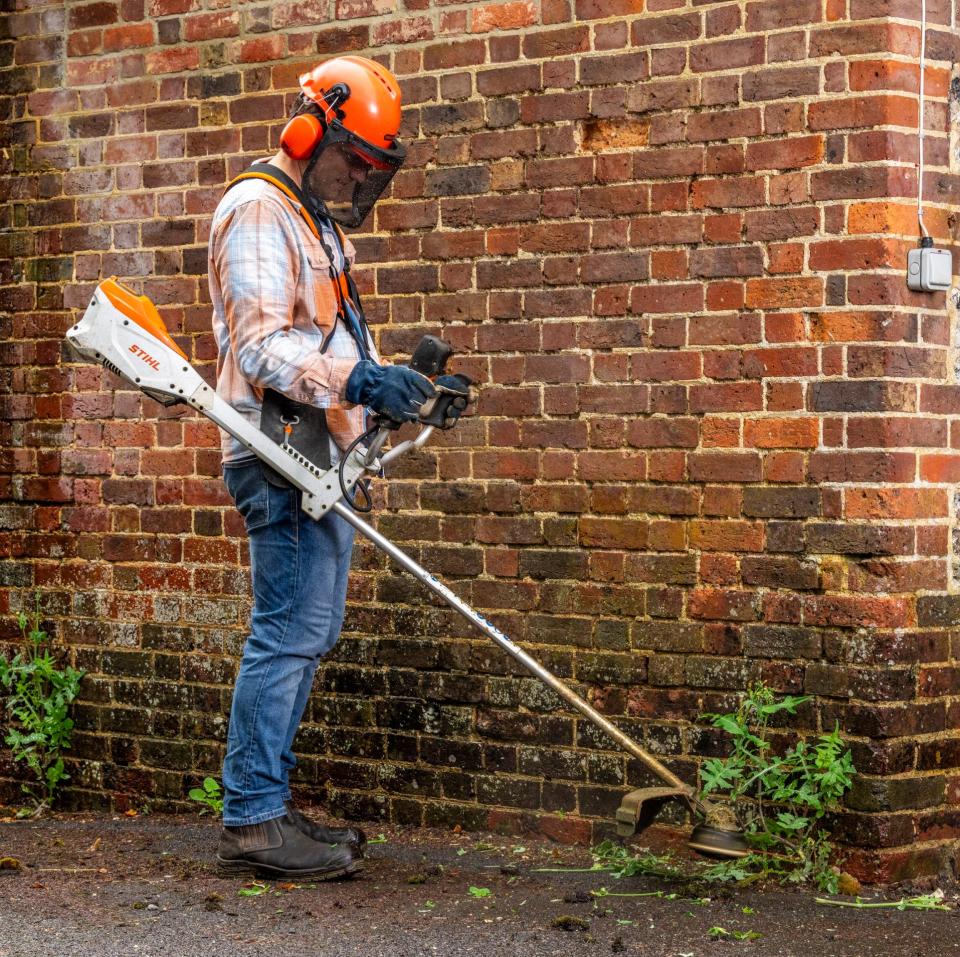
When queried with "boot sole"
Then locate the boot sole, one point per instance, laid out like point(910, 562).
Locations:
point(228, 868)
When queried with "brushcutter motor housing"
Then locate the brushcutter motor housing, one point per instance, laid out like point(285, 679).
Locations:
point(125, 334)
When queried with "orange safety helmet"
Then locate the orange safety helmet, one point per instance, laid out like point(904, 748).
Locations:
point(359, 108)
point(356, 94)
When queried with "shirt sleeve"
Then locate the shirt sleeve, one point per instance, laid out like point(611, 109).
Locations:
point(257, 261)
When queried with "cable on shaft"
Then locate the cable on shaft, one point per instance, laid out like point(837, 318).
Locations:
point(361, 485)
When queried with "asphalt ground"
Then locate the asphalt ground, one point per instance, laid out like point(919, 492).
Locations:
point(105, 885)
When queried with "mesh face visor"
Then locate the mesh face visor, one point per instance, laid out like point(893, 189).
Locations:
point(378, 164)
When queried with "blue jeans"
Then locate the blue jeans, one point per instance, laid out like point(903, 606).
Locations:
point(299, 570)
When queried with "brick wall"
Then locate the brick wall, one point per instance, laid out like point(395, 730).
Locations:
point(718, 437)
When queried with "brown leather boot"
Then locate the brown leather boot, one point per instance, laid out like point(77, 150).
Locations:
point(352, 837)
point(279, 849)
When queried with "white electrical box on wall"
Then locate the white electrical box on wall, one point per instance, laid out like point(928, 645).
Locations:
point(929, 270)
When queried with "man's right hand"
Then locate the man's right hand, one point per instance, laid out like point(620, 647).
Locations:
point(394, 391)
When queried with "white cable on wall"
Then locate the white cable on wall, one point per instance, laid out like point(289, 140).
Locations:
point(923, 55)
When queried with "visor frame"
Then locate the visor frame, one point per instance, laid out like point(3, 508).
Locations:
point(374, 156)
point(352, 213)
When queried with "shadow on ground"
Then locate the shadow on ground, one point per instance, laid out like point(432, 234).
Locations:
point(104, 885)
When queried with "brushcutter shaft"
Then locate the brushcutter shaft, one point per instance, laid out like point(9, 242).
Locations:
point(515, 651)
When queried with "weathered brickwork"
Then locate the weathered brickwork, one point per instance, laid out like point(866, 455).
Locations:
point(718, 438)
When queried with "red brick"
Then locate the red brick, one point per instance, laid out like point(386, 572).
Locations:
point(784, 293)
point(724, 467)
point(261, 49)
point(97, 14)
point(603, 9)
point(554, 107)
point(727, 261)
point(658, 298)
point(128, 36)
point(792, 153)
point(656, 31)
point(858, 611)
point(612, 533)
point(940, 468)
point(853, 254)
point(782, 433)
point(658, 95)
point(725, 125)
point(668, 264)
point(884, 75)
point(781, 223)
point(611, 466)
point(724, 193)
point(765, 15)
point(896, 362)
point(834, 114)
point(727, 536)
point(208, 26)
point(97, 72)
point(862, 467)
point(503, 16)
point(785, 258)
point(723, 228)
point(724, 295)
point(175, 60)
point(864, 38)
point(726, 54)
point(546, 44)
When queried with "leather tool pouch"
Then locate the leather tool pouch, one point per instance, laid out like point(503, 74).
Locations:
point(308, 431)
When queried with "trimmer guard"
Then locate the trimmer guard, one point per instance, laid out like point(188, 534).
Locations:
point(639, 808)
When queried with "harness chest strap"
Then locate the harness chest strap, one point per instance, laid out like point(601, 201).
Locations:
point(338, 279)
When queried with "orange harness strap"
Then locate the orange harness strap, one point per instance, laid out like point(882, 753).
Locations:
point(340, 286)
point(348, 301)
point(286, 191)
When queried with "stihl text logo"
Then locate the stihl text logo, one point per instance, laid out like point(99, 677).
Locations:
point(150, 361)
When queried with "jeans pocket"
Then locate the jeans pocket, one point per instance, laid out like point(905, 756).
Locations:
point(250, 492)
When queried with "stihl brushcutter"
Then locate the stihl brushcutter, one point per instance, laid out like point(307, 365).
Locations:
point(124, 333)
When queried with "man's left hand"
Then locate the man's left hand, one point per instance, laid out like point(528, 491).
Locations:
point(453, 396)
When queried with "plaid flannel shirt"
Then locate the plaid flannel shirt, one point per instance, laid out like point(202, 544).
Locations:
point(274, 307)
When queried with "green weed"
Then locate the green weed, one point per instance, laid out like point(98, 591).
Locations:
point(932, 901)
point(39, 693)
point(780, 799)
point(721, 933)
point(210, 796)
point(253, 889)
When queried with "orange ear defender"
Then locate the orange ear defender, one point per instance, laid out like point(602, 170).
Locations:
point(300, 136)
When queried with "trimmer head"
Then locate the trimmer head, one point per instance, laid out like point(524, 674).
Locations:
point(717, 842)
point(717, 836)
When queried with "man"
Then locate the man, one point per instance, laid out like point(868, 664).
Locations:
point(296, 357)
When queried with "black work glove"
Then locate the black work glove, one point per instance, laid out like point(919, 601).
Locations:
point(458, 387)
point(394, 391)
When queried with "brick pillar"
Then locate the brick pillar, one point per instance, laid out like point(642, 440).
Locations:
point(716, 437)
